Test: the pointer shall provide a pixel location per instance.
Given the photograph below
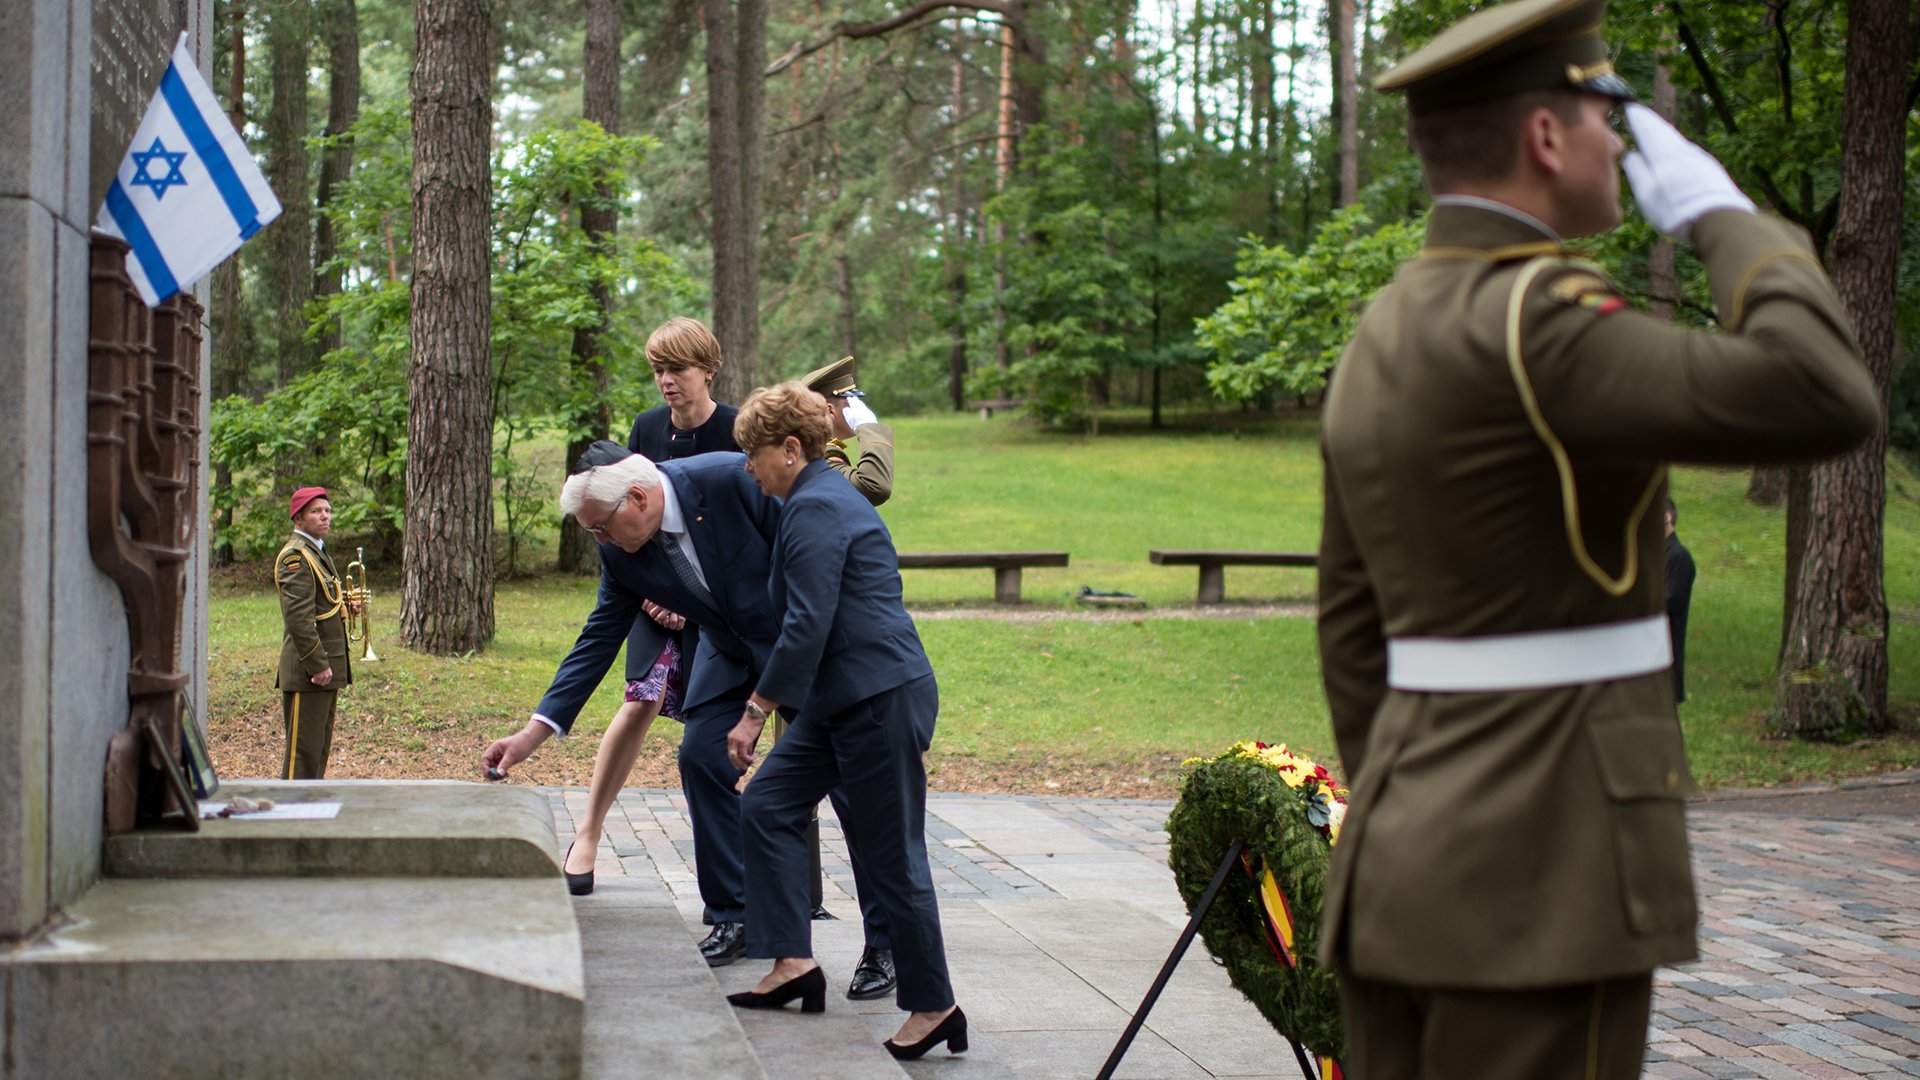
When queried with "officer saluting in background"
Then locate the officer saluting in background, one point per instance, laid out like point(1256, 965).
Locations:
point(313, 641)
point(1492, 628)
point(852, 419)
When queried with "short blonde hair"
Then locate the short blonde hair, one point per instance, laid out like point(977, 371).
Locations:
point(681, 342)
point(606, 485)
point(772, 413)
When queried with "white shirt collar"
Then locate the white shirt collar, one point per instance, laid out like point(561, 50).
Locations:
point(1498, 208)
point(317, 542)
point(671, 519)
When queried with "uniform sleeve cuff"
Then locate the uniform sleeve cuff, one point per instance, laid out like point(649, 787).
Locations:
point(551, 724)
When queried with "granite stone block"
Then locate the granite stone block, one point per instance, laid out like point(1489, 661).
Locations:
point(27, 273)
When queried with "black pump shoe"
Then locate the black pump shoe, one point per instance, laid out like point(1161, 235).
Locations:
point(952, 1031)
point(577, 884)
point(810, 988)
point(873, 976)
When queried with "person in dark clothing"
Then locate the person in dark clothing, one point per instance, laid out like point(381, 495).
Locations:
point(1680, 573)
point(685, 358)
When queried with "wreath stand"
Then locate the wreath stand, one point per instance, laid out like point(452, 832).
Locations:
point(1199, 915)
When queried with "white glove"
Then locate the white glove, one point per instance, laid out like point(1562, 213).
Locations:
point(857, 413)
point(1675, 182)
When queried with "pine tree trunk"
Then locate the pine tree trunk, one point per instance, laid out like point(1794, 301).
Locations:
point(956, 252)
point(336, 163)
point(1002, 172)
point(1348, 106)
point(233, 345)
point(592, 419)
point(1768, 486)
point(447, 603)
point(736, 48)
point(1836, 651)
point(288, 275)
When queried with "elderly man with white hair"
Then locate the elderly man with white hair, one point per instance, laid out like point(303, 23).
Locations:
point(694, 536)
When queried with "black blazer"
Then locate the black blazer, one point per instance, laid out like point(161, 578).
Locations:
point(845, 634)
point(653, 437)
point(733, 528)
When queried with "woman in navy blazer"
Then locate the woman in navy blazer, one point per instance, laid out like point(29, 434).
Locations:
point(849, 661)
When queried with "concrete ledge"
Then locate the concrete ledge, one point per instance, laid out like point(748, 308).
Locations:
point(371, 977)
point(425, 828)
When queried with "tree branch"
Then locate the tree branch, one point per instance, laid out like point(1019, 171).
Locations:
point(1719, 98)
point(878, 28)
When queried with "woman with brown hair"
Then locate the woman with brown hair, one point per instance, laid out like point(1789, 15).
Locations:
point(849, 665)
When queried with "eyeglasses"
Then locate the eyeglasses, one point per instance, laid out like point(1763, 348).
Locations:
point(599, 532)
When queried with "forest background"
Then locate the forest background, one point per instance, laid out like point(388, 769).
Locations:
point(1173, 207)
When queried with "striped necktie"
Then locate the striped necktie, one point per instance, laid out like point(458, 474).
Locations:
point(683, 570)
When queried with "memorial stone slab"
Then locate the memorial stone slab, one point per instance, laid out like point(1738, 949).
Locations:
point(27, 236)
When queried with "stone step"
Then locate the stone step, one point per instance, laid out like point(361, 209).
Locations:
point(417, 828)
point(462, 978)
point(842, 1043)
point(653, 1007)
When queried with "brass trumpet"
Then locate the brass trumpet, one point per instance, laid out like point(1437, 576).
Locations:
point(360, 625)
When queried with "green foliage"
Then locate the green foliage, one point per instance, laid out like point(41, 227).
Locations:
point(1234, 798)
point(345, 421)
point(1292, 315)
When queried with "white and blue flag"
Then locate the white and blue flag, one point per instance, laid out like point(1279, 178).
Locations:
point(188, 193)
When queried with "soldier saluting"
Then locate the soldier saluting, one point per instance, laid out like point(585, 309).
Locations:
point(313, 643)
point(1492, 629)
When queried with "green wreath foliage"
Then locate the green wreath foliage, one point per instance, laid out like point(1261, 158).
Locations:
point(1234, 797)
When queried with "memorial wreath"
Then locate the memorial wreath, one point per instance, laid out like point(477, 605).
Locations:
point(1264, 926)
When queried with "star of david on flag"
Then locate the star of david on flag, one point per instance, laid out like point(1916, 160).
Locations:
point(188, 193)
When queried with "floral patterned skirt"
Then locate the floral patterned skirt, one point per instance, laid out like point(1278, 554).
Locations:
point(666, 682)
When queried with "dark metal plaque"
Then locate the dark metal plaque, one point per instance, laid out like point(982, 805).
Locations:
point(132, 40)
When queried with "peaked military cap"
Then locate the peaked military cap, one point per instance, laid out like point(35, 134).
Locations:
point(1509, 49)
point(833, 380)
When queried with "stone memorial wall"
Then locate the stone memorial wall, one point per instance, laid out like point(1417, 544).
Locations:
point(75, 96)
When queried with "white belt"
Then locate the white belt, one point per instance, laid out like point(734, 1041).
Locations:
point(1527, 661)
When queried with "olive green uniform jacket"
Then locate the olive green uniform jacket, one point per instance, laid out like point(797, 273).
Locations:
point(1529, 838)
point(314, 624)
point(872, 476)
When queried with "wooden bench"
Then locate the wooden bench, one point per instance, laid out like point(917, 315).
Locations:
point(1213, 565)
point(1006, 566)
point(986, 408)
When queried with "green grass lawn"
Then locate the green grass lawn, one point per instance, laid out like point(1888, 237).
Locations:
point(1059, 704)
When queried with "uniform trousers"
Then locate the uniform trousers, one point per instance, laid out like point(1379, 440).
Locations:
point(872, 920)
point(1587, 1031)
point(708, 780)
point(871, 751)
point(306, 719)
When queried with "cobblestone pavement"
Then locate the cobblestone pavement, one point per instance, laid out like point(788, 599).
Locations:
point(1810, 911)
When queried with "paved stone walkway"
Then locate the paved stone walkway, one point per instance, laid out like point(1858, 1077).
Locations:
point(1810, 934)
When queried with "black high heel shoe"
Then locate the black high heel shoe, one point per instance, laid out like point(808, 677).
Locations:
point(810, 988)
point(577, 884)
point(952, 1031)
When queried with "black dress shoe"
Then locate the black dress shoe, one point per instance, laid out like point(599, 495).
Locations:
point(952, 1031)
point(727, 943)
point(810, 988)
point(577, 884)
point(873, 976)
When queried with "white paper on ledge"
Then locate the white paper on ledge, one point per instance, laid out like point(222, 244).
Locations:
point(300, 811)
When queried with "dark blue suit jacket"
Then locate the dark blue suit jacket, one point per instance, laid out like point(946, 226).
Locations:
point(733, 527)
point(844, 630)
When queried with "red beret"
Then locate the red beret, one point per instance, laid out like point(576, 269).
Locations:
point(302, 497)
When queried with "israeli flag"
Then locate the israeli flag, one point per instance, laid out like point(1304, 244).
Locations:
point(188, 193)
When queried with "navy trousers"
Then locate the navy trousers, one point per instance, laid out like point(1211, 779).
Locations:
point(707, 779)
point(870, 751)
